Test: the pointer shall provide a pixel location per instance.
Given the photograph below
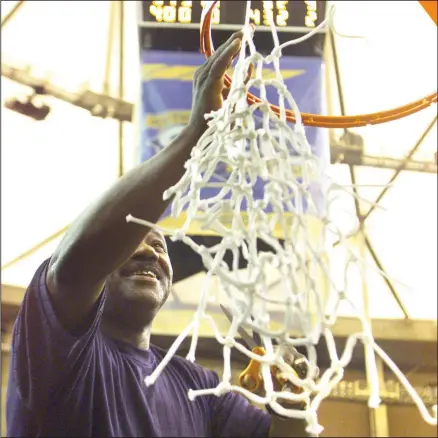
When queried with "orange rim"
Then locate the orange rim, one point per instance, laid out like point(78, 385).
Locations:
point(316, 119)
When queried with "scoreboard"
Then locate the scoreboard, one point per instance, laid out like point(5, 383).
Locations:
point(174, 25)
point(285, 14)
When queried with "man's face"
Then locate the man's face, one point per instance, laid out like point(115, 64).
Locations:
point(142, 285)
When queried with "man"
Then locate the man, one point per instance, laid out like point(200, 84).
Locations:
point(80, 349)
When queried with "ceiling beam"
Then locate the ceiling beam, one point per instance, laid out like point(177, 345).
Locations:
point(98, 104)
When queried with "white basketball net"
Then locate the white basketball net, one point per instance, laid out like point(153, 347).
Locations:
point(274, 153)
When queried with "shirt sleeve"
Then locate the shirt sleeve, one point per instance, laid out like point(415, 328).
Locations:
point(232, 415)
point(45, 357)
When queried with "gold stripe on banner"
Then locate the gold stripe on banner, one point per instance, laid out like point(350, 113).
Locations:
point(167, 119)
point(196, 229)
point(186, 72)
point(431, 7)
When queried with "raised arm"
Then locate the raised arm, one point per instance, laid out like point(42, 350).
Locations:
point(99, 240)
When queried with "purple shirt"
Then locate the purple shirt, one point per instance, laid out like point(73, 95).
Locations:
point(62, 385)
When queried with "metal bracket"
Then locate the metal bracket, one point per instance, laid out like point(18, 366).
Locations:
point(98, 104)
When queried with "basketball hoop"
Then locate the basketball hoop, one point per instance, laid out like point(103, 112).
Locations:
point(207, 49)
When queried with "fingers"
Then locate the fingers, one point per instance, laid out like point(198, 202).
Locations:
point(205, 68)
point(237, 36)
point(281, 377)
point(249, 74)
point(249, 382)
point(224, 60)
point(301, 365)
point(228, 55)
point(216, 66)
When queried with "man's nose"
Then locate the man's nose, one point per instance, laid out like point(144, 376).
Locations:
point(147, 251)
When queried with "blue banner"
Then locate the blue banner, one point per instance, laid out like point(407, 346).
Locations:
point(167, 98)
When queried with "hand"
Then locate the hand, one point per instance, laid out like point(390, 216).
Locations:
point(298, 362)
point(300, 365)
point(208, 82)
point(209, 90)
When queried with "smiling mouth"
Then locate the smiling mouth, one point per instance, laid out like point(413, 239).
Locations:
point(145, 275)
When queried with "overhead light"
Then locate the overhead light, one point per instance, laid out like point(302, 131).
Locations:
point(29, 106)
point(98, 104)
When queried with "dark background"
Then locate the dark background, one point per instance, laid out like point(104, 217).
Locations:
point(173, 37)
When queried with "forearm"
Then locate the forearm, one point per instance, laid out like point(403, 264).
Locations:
point(101, 231)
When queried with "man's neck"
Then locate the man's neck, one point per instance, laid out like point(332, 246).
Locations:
point(139, 339)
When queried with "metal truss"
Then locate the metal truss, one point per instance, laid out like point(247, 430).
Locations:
point(402, 165)
point(378, 418)
point(100, 105)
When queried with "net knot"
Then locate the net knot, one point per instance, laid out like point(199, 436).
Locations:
point(314, 429)
point(275, 54)
point(282, 89)
point(177, 235)
point(223, 388)
point(367, 339)
point(229, 342)
point(264, 108)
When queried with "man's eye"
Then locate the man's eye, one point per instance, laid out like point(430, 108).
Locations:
point(158, 245)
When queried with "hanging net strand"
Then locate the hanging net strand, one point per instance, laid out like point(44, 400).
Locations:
point(272, 151)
